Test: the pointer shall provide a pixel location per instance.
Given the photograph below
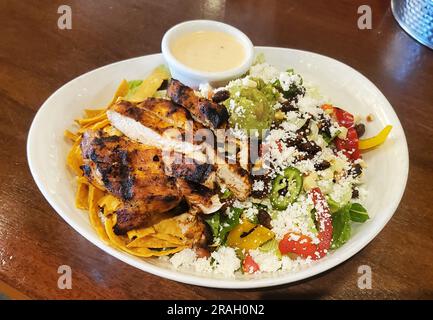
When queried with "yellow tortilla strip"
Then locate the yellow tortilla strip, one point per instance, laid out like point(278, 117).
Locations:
point(170, 238)
point(86, 122)
point(122, 90)
point(150, 85)
point(82, 195)
point(168, 226)
point(75, 159)
point(112, 131)
point(120, 243)
point(91, 113)
point(74, 137)
point(140, 233)
point(95, 126)
point(151, 242)
point(94, 196)
point(110, 204)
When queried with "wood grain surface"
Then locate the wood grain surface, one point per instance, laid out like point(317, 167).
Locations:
point(36, 58)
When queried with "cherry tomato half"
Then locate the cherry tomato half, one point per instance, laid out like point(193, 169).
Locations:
point(350, 145)
point(344, 118)
point(297, 243)
point(249, 265)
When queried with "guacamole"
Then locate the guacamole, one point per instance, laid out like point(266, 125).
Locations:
point(252, 107)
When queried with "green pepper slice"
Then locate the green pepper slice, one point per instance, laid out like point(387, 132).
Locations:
point(286, 188)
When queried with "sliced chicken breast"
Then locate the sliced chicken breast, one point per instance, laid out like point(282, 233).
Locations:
point(199, 196)
point(146, 127)
point(132, 172)
point(139, 124)
point(205, 111)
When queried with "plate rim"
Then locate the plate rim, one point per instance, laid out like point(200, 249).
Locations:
point(279, 279)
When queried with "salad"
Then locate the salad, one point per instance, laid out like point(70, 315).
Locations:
point(308, 188)
point(283, 190)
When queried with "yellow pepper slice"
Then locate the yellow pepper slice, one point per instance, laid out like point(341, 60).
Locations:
point(150, 85)
point(376, 140)
point(253, 240)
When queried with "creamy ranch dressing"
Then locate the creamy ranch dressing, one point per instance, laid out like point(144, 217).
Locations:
point(210, 51)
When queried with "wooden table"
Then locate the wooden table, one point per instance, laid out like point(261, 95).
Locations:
point(36, 58)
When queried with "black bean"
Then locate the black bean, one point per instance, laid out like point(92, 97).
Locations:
point(221, 96)
point(260, 194)
point(355, 193)
point(309, 147)
point(356, 170)
point(322, 165)
point(288, 106)
point(324, 126)
point(264, 218)
point(360, 129)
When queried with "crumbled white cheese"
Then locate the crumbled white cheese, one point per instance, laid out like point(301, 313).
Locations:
point(258, 185)
point(267, 261)
point(265, 72)
point(250, 212)
point(184, 258)
point(290, 265)
point(203, 265)
point(226, 261)
point(296, 218)
point(286, 80)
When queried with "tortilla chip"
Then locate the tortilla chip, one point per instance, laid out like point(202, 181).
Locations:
point(140, 233)
point(110, 204)
point(151, 242)
point(168, 226)
point(75, 159)
point(87, 122)
point(82, 195)
point(72, 136)
point(122, 90)
point(91, 113)
point(169, 238)
point(94, 196)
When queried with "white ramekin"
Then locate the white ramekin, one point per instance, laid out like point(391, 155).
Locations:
point(192, 77)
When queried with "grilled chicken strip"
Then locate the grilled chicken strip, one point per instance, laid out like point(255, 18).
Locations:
point(205, 111)
point(236, 179)
point(128, 218)
point(199, 196)
point(157, 123)
point(179, 165)
point(151, 128)
point(132, 172)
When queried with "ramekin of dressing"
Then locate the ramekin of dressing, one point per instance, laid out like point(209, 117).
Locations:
point(205, 51)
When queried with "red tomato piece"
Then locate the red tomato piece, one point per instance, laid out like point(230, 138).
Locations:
point(344, 118)
point(297, 243)
point(324, 219)
point(249, 265)
point(350, 145)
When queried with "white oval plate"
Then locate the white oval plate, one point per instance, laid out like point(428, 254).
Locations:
point(385, 178)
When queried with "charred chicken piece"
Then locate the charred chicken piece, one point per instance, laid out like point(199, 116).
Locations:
point(205, 111)
point(132, 172)
point(199, 196)
point(158, 123)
